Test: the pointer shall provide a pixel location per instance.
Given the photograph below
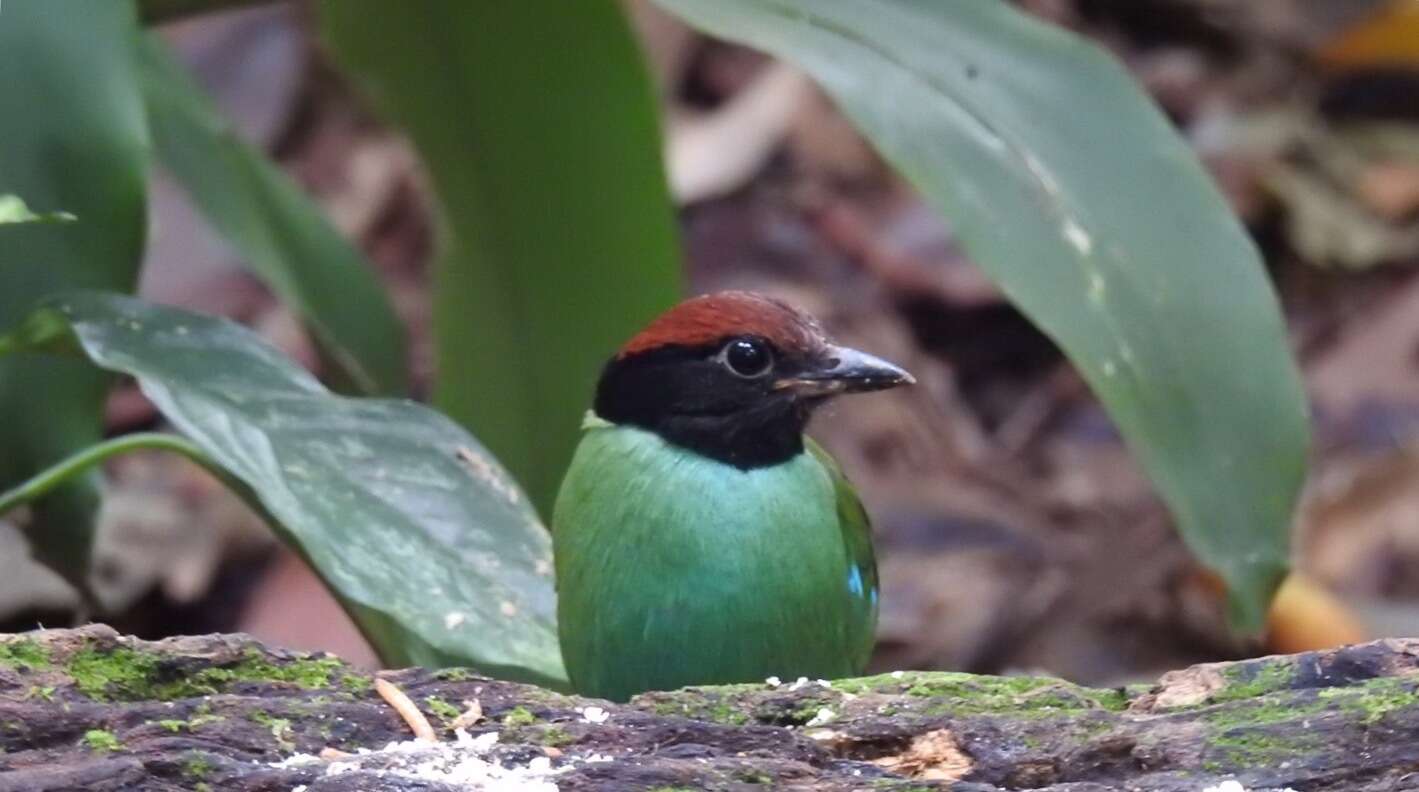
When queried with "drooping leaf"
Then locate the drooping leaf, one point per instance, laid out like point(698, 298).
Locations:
point(281, 233)
point(536, 124)
point(14, 210)
point(1071, 190)
point(413, 525)
point(74, 139)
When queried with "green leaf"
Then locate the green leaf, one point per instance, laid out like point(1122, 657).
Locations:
point(14, 210)
point(536, 123)
point(74, 139)
point(420, 533)
point(284, 237)
point(1073, 192)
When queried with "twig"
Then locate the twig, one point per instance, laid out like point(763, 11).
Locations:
point(395, 698)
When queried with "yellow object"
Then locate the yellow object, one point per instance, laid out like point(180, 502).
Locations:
point(1306, 617)
point(1389, 37)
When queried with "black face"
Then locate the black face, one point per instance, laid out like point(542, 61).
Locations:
point(742, 400)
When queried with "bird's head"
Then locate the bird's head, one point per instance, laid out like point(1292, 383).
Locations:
point(734, 376)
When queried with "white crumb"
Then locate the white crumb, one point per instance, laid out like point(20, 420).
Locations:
point(773, 681)
point(465, 762)
point(824, 716)
point(1231, 785)
point(593, 714)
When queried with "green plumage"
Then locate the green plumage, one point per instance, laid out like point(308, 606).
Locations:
point(675, 569)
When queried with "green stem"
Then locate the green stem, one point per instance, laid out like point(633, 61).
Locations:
point(66, 469)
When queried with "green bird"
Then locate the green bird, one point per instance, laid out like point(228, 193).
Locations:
point(699, 536)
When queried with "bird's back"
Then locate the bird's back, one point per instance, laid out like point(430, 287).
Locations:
point(675, 569)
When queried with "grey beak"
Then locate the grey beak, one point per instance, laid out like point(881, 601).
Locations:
point(848, 371)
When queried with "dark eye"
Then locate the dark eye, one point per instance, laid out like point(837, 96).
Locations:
point(747, 357)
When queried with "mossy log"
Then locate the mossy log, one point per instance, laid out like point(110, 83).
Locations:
point(88, 709)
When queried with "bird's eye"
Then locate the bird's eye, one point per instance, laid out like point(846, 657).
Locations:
point(747, 357)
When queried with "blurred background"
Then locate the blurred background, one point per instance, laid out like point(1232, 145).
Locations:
point(1014, 531)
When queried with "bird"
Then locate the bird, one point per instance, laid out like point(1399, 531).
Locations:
point(699, 536)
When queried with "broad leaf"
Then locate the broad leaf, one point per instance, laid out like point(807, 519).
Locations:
point(74, 140)
point(282, 234)
point(536, 123)
point(423, 536)
point(1072, 191)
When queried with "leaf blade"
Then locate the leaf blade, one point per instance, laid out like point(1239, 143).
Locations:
point(282, 235)
point(557, 231)
point(75, 139)
point(414, 526)
point(1073, 193)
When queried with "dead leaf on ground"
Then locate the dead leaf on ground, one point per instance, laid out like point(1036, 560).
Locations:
point(933, 755)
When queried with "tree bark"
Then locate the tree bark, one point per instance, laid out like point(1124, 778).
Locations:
point(88, 709)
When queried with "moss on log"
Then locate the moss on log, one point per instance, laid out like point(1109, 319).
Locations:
point(88, 709)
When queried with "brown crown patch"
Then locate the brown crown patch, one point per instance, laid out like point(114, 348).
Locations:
point(700, 321)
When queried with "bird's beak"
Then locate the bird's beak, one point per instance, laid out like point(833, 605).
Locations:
point(847, 370)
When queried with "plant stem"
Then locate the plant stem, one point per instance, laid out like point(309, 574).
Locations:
point(81, 461)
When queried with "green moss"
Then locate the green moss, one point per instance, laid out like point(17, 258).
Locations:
point(196, 766)
point(202, 715)
point(1249, 680)
point(121, 673)
point(124, 674)
point(173, 726)
point(754, 777)
point(716, 709)
point(1376, 698)
point(280, 728)
point(443, 709)
point(24, 653)
point(101, 741)
point(1238, 737)
point(807, 709)
point(970, 694)
point(519, 716)
point(1261, 713)
point(727, 713)
point(202, 786)
point(556, 736)
point(453, 674)
point(42, 692)
point(1248, 748)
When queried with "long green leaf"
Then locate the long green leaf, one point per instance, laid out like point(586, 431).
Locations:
point(536, 123)
point(1072, 191)
point(284, 237)
point(72, 138)
point(423, 536)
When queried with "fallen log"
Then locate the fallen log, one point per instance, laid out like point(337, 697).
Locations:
point(89, 709)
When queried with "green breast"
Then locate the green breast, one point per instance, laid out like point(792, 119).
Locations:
point(674, 569)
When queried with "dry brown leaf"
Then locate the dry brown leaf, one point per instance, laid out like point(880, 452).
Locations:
point(933, 755)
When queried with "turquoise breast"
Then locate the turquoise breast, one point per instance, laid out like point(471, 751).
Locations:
point(674, 569)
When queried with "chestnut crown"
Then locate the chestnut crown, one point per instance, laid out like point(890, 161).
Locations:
point(734, 376)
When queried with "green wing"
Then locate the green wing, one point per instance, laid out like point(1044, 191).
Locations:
point(857, 539)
